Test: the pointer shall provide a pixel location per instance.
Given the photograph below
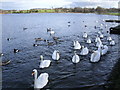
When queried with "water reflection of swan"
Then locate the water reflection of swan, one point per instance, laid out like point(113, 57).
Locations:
point(40, 81)
point(44, 63)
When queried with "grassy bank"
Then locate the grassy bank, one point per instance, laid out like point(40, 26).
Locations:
point(117, 14)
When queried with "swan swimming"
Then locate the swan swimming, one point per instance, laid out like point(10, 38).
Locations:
point(99, 43)
point(56, 55)
point(104, 50)
point(40, 81)
point(95, 56)
point(101, 35)
point(85, 35)
point(89, 40)
point(44, 63)
point(75, 58)
point(97, 39)
point(112, 42)
point(109, 38)
point(77, 45)
point(84, 51)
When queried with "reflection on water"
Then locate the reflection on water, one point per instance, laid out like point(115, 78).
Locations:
point(63, 74)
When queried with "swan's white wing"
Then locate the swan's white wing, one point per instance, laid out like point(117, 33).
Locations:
point(95, 57)
point(88, 41)
point(42, 80)
point(75, 59)
point(77, 46)
point(54, 55)
point(105, 50)
point(92, 57)
point(81, 53)
point(58, 56)
point(86, 51)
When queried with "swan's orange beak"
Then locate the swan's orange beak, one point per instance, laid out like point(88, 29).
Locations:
point(33, 73)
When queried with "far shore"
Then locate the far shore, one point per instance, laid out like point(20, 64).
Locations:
point(115, 14)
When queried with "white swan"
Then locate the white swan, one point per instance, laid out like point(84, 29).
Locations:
point(101, 35)
point(104, 50)
point(97, 39)
point(99, 43)
point(89, 40)
point(75, 58)
point(112, 42)
point(84, 51)
point(85, 35)
point(77, 45)
point(44, 63)
point(40, 81)
point(109, 38)
point(56, 55)
point(95, 56)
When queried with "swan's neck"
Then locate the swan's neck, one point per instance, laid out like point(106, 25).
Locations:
point(35, 75)
point(100, 50)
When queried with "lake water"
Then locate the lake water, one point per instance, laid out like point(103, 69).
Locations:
point(62, 74)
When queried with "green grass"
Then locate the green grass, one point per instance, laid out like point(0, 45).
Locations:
point(46, 11)
point(117, 14)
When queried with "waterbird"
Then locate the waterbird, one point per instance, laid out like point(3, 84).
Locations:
point(101, 35)
point(56, 55)
point(85, 35)
point(49, 29)
point(16, 50)
point(99, 42)
point(95, 56)
point(109, 38)
point(35, 45)
point(88, 40)
point(75, 58)
point(76, 45)
point(1, 54)
point(44, 63)
point(112, 42)
point(39, 39)
point(104, 49)
point(50, 43)
point(8, 39)
point(97, 39)
point(40, 81)
point(84, 51)
point(5, 62)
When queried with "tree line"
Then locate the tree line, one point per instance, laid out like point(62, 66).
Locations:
point(99, 10)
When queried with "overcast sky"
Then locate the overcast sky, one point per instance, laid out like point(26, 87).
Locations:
point(29, 4)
